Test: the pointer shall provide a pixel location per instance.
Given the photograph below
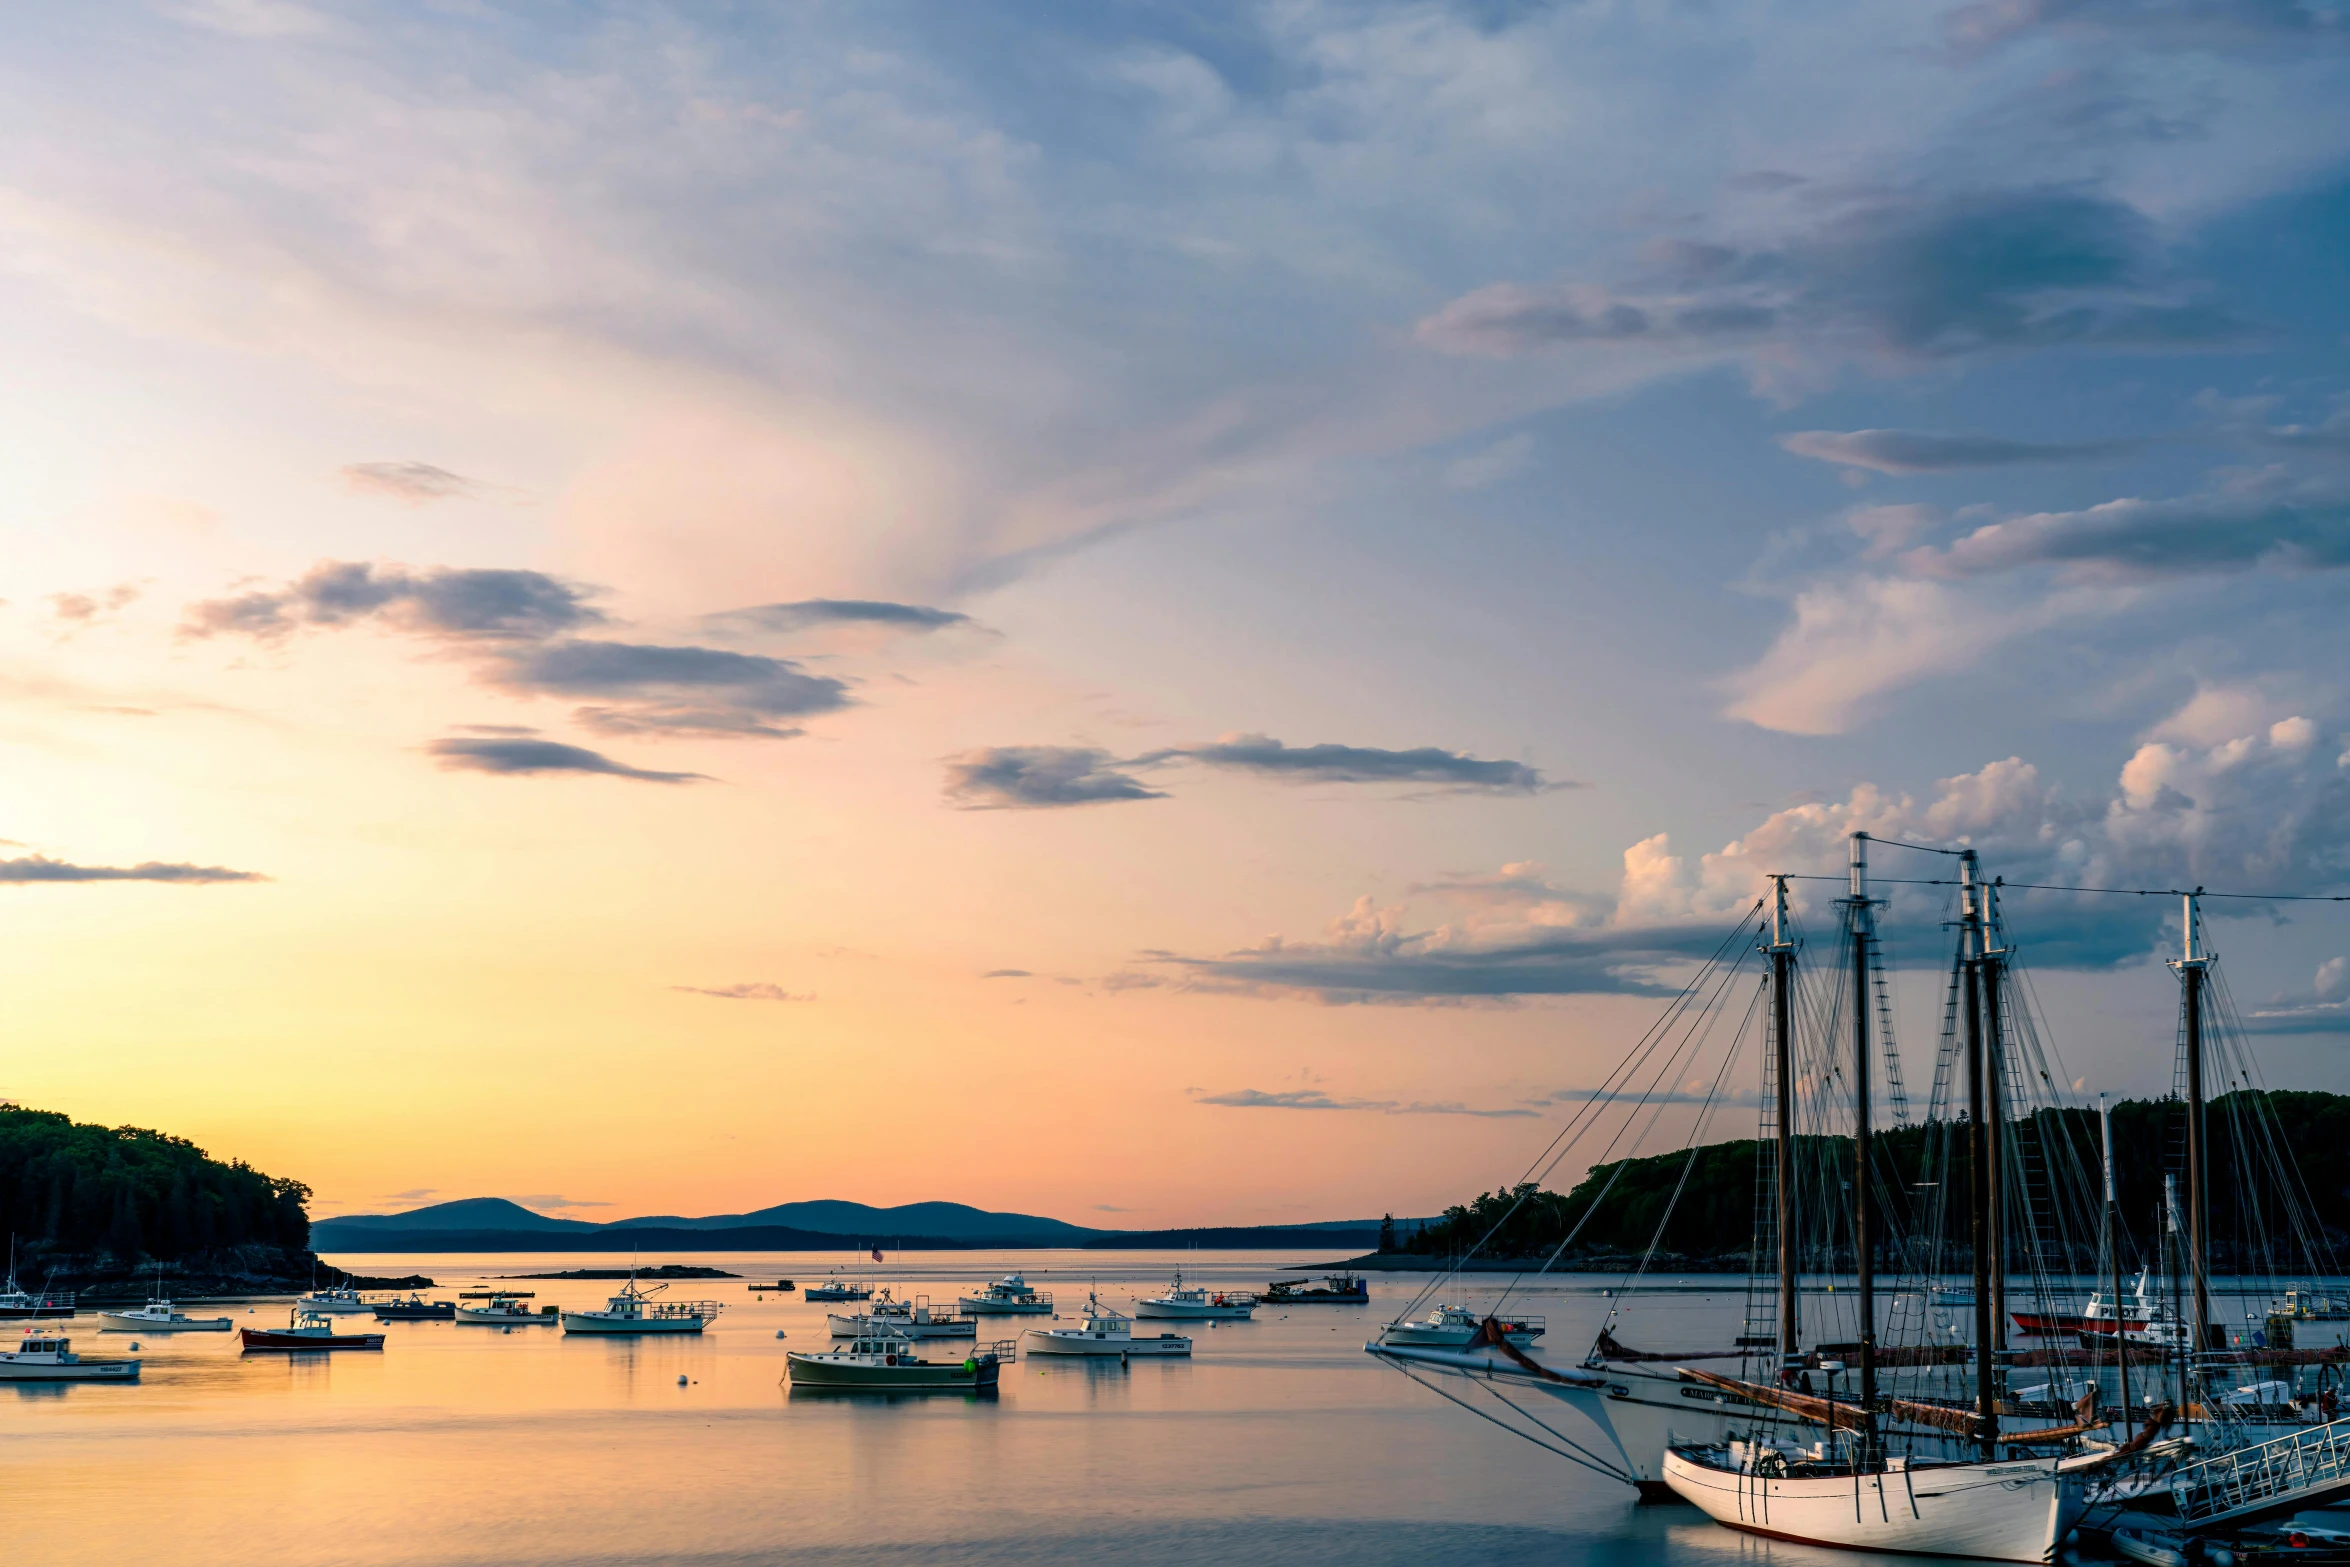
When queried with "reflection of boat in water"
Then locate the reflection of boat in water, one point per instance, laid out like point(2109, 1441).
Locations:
point(1336, 1289)
point(886, 1361)
point(506, 1311)
point(309, 1328)
point(41, 1358)
point(1198, 1304)
point(634, 1311)
point(415, 1309)
point(1456, 1327)
point(1105, 1333)
point(1008, 1296)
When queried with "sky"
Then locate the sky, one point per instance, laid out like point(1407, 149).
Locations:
point(1156, 613)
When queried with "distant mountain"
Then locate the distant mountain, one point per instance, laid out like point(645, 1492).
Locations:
point(466, 1213)
point(945, 1220)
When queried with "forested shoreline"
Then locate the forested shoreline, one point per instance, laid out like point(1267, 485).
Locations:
point(88, 1206)
point(1712, 1220)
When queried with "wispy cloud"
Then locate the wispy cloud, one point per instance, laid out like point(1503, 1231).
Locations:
point(531, 758)
point(1044, 776)
point(1916, 451)
point(545, 1200)
point(636, 688)
point(1315, 1099)
point(1040, 777)
point(411, 483)
point(754, 990)
point(1007, 973)
point(37, 869)
point(437, 602)
point(804, 613)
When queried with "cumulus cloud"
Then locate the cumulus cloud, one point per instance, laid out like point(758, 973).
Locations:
point(1315, 1099)
point(1913, 276)
point(648, 689)
point(438, 602)
point(1038, 777)
point(1267, 757)
point(411, 483)
point(2305, 528)
point(804, 613)
point(1916, 451)
point(2253, 803)
point(39, 868)
point(81, 609)
point(530, 758)
point(756, 990)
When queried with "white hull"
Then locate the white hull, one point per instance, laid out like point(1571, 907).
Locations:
point(1193, 1311)
point(336, 1308)
point(76, 1371)
point(503, 1319)
point(2014, 1512)
point(981, 1306)
point(1419, 1335)
point(132, 1322)
point(1042, 1341)
point(605, 1322)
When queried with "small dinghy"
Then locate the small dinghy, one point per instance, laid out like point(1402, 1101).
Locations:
point(308, 1328)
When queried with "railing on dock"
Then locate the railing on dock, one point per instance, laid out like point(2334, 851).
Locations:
point(2280, 1475)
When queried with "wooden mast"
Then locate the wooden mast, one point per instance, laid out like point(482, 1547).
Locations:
point(1782, 951)
point(1995, 1123)
point(2113, 1232)
point(1978, 1154)
point(2191, 965)
point(1863, 1241)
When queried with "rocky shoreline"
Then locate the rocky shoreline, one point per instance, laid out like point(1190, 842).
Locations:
point(227, 1273)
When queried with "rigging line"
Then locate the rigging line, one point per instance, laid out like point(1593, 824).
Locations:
point(1597, 1468)
point(1656, 1035)
point(1922, 848)
point(2118, 892)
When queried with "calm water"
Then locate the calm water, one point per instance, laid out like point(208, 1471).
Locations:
point(462, 1444)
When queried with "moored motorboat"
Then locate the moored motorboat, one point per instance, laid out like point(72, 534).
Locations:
point(836, 1288)
point(916, 1319)
point(1456, 1327)
point(1008, 1296)
point(634, 1311)
point(17, 1304)
point(415, 1309)
point(1336, 1289)
point(44, 1358)
point(1197, 1304)
point(1104, 1333)
point(507, 1311)
point(309, 1328)
point(160, 1316)
point(340, 1301)
point(885, 1361)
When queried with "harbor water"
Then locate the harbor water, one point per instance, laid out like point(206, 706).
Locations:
point(1278, 1439)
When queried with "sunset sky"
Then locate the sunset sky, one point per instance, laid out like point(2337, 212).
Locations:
point(1148, 612)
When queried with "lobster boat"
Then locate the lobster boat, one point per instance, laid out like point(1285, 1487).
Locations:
point(309, 1329)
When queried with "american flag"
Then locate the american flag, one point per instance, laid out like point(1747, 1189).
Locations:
point(876, 1254)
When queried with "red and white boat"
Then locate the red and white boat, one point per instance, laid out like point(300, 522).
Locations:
point(2147, 1319)
point(308, 1329)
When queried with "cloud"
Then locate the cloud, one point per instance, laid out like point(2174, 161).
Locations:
point(1315, 1099)
point(1504, 459)
point(650, 689)
point(2261, 26)
point(1007, 973)
point(756, 990)
point(1910, 277)
point(841, 612)
point(411, 483)
point(39, 868)
point(555, 1200)
point(2305, 528)
point(1915, 451)
point(1111, 1207)
point(439, 602)
point(1267, 757)
point(1039, 777)
point(519, 757)
point(417, 1194)
point(81, 609)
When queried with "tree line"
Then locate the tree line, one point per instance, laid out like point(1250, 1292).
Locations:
point(68, 1187)
point(2278, 1183)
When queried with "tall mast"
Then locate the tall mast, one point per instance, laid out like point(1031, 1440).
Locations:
point(2113, 1239)
point(2170, 1229)
point(1782, 952)
point(1862, 1238)
point(1995, 1123)
point(2191, 965)
point(1978, 1177)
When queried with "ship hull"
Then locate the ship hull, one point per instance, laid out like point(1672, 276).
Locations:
point(981, 1306)
point(597, 1322)
point(76, 1371)
point(2013, 1512)
point(1041, 1342)
point(1193, 1311)
point(126, 1322)
point(266, 1338)
point(812, 1371)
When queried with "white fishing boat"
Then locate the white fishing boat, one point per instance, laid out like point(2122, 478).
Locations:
point(1104, 1333)
point(1198, 1304)
point(43, 1358)
point(506, 1311)
point(884, 1361)
point(161, 1316)
point(837, 1288)
point(20, 1304)
point(341, 1301)
point(1008, 1296)
point(1456, 1327)
point(925, 1321)
point(885, 1311)
point(635, 1311)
